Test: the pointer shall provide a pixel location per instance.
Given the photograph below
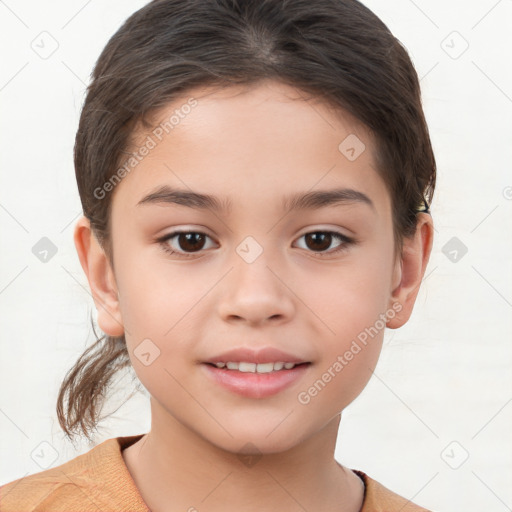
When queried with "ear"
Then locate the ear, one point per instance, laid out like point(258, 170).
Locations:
point(410, 269)
point(101, 278)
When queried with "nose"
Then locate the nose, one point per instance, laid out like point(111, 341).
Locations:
point(255, 293)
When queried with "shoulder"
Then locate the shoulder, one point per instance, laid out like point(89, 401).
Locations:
point(378, 498)
point(95, 480)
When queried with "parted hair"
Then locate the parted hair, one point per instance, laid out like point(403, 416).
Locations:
point(335, 50)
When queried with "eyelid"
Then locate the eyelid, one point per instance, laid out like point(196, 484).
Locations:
point(187, 228)
point(326, 229)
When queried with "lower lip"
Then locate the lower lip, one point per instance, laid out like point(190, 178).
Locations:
point(256, 385)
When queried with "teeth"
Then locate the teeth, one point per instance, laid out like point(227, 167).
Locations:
point(247, 367)
point(255, 367)
point(265, 367)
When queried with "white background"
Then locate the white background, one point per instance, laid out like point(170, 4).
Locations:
point(443, 377)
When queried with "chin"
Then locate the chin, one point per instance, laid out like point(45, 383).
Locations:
point(258, 439)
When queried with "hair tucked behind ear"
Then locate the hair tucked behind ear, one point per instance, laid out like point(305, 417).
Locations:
point(84, 387)
point(336, 50)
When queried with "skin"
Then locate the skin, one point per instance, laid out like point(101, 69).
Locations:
point(252, 145)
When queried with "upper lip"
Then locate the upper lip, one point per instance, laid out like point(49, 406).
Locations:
point(251, 355)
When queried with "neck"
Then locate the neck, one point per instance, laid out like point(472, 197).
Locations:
point(176, 469)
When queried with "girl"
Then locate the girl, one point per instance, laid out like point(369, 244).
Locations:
point(255, 179)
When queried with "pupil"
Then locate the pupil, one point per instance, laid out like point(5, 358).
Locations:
point(323, 237)
point(190, 237)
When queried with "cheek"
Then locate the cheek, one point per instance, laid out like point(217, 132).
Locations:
point(159, 311)
point(349, 300)
point(352, 308)
point(155, 300)
point(338, 383)
point(350, 348)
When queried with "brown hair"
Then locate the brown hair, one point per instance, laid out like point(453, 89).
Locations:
point(335, 50)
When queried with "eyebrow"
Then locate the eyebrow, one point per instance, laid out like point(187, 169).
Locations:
point(302, 201)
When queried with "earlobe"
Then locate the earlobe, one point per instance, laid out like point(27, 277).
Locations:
point(101, 278)
point(410, 270)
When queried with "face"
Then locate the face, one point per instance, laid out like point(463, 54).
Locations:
point(255, 270)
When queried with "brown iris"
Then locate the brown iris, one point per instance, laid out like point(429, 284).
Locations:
point(320, 240)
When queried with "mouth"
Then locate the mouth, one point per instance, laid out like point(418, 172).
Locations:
point(255, 380)
point(248, 367)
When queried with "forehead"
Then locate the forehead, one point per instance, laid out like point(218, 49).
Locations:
point(251, 142)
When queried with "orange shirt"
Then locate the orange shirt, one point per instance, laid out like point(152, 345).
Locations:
point(99, 481)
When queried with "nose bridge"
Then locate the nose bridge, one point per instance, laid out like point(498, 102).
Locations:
point(253, 264)
point(253, 290)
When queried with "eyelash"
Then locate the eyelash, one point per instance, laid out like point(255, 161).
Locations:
point(340, 237)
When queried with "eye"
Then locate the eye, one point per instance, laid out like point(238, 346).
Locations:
point(189, 242)
point(319, 241)
point(192, 241)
